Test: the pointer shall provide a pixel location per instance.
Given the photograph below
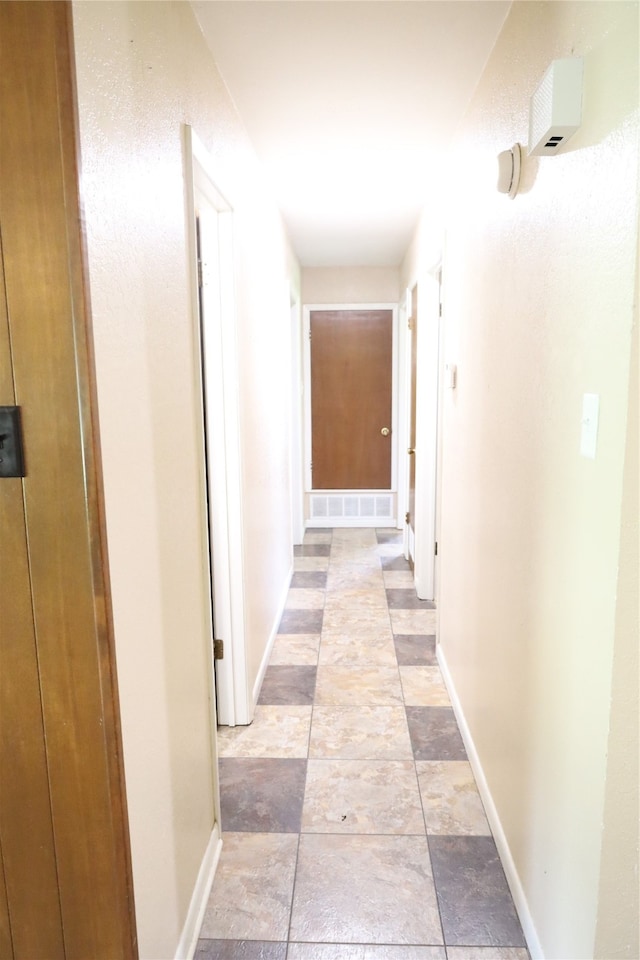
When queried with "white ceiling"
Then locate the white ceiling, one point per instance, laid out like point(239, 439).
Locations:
point(350, 105)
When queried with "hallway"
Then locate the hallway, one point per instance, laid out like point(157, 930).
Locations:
point(353, 829)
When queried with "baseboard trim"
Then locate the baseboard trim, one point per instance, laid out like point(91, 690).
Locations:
point(272, 637)
point(511, 873)
point(190, 932)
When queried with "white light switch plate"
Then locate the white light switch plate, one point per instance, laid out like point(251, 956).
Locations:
point(589, 434)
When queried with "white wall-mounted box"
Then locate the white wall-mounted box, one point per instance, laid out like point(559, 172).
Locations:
point(556, 107)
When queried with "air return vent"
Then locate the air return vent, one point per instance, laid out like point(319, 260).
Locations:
point(353, 509)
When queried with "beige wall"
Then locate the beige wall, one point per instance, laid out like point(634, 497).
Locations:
point(538, 310)
point(143, 71)
point(350, 285)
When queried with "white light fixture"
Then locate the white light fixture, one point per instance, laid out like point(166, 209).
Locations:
point(509, 162)
point(556, 107)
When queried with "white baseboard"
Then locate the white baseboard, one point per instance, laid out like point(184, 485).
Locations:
point(511, 873)
point(189, 939)
point(272, 636)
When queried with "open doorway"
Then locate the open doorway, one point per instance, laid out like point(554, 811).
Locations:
point(423, 364)
point(216, 358)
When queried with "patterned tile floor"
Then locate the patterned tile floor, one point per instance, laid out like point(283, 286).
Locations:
point(353, 829)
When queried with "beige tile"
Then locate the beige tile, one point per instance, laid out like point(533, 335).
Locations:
point(358, 632)
point(276, 731)
point(353, 539)
point(398, 579)
point(358, 597)
point(304, 598)
point(364, 889)
point(341, 649)
point(423, 687)
point(311, 563)
point(297, 649)
point(354, 601)
point(414, 621)
point(360, 733)
point(450, 799)
point(351, 685)
point(362, 796)
point(253, 886)
point(342, 579)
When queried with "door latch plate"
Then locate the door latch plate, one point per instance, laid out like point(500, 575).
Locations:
point(11, 454)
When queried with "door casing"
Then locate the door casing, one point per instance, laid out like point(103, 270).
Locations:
point(217, 361)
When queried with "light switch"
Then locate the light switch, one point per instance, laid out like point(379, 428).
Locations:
point(589, 434)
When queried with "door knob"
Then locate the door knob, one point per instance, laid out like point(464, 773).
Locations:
point(385, 431)
point(410, 450)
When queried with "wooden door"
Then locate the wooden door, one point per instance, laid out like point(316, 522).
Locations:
point(351, 383)
point(413, 326)
point(65, 877)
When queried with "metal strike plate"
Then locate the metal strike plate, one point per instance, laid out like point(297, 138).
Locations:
point(11, 454)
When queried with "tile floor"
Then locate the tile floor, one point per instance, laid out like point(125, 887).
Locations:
point(353, 829)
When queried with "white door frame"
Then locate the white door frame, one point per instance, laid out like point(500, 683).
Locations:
point(426, 449)
point(216, 365)
point(352, 521)
point(297, 420)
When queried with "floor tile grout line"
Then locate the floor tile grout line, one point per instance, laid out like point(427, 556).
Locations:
point(414, 760)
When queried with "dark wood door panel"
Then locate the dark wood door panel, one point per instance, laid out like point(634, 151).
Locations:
point(351, 376)
point(34, 922)
point(65, 615)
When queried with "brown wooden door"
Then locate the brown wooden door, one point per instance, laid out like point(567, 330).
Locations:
point(413, 324)
point(351, 382)
point(65, 877)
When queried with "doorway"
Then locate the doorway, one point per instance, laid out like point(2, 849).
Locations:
point(351, 449)
point(66, 887)
point(211, 231)
point(423, 312)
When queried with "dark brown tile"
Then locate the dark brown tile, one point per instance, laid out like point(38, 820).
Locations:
point(261, 796)
point(395, 563)
point(301, 621)
point(415, 649)
point(475, 903)
point(309, 578)
point(240, 950)
point(434, 734)
point(312, 550)
point(288, 684)
point(401, 599)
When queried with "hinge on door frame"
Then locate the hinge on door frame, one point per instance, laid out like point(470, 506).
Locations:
point(435, 549)
point(218, 649)
point(407, 517)
point(200, 283)
point(440, 309)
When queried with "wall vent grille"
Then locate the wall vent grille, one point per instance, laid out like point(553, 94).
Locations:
point(340, 509)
